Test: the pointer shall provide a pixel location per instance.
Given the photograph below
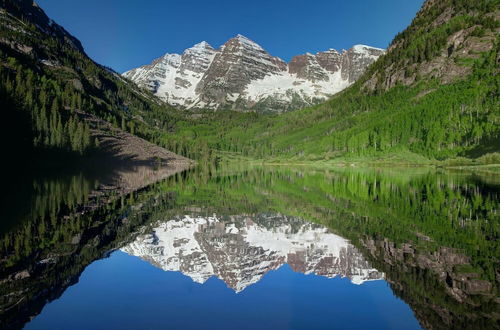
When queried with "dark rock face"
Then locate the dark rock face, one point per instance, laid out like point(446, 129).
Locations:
point(307, 67)
point(331, 60)
point(241, 75)
point(29, 10)
point(356, 60)
point(239, 62)
point(351, 63)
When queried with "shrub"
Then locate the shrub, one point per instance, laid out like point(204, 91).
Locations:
point(491, 158)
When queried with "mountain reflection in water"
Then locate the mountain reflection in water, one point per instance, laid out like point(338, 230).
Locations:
point(240, 249)
point(274, 235)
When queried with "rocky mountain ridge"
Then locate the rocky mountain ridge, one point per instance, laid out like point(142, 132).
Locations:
point(31, 12)
point(241, 249)
point(241, 75)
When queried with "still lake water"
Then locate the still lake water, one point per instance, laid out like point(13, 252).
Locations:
point(259, 248)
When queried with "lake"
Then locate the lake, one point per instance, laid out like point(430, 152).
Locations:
point(251, 248)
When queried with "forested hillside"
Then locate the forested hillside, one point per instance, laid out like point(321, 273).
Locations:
point(47, 83)
point(434, 95)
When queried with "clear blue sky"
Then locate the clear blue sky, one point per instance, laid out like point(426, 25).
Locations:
point(124, 34)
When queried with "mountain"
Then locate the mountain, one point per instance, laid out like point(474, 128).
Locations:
point(241, 249)
point(31, 12)
point(54, 96)
point(433, 96)
point(443, 41)
point(242, 75)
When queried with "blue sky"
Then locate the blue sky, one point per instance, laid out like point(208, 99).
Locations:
point(126, 292)
point(124, 34)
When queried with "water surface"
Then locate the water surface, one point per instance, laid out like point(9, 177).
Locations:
point(267, 248)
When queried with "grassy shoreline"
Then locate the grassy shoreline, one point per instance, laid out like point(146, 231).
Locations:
point(404, 160)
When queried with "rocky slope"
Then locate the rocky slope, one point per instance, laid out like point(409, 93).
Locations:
point(52, 72)
point(241, 249)
point(30, 11)
point(242, 75)
point(442, 42)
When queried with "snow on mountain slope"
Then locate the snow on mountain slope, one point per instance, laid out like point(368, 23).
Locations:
point(241, 75)
point(241, 249)
point(175, 77)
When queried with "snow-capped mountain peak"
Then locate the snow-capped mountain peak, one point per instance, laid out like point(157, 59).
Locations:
point(241, 75)
point(201, 45)
point(364, 49)
point(246, 42)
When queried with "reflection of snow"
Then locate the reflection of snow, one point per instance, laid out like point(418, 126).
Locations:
point(240, 250)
